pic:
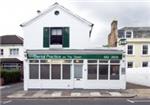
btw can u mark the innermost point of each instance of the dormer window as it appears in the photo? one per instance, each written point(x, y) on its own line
point(128, 34)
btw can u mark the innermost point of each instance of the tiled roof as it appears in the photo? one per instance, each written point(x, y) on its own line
point(10, 39)
point(138, 32)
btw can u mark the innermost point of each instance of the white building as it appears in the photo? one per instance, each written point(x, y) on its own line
point(57, 55)
point(11, 52)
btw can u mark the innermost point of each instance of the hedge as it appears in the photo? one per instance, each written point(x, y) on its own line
point(10, 76)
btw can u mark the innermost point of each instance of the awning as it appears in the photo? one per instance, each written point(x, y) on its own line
point(75, 54)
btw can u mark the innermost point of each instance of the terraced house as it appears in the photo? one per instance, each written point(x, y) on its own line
point(138, 44)
point(59, 54)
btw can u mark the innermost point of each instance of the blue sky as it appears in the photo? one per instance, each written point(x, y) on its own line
point(99, 12)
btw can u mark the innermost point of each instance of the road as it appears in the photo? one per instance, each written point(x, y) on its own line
point(81, 101)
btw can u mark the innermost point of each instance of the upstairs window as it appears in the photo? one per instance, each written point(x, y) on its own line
point(56, 36)
point(145, 49)
point(1, 52)
point(14, 51)
point(128, 34)
point(130, 49)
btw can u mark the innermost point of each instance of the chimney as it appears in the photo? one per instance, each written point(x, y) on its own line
point(114, 25)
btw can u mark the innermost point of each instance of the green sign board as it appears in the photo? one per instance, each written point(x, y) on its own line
point(74, 56)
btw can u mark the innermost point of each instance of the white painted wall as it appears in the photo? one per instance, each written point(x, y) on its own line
point(139, 76)
point(79, 31)
point(6, 50)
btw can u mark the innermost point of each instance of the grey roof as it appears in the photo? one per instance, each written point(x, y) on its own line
point(75, 51)
point(10, 60)
point(11, 39)
point(138, 32)
point(50, 9)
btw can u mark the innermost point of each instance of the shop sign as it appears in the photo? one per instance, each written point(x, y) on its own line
point(74, 56)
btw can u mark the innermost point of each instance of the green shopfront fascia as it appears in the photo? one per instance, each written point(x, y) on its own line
point(69, 71)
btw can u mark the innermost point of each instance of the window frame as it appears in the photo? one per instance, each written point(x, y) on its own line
point(147, 49)
point(128, 49)
point(130, 62)
point(126, 31)
point(12, 50)
point(50, 35)
point(1, 52)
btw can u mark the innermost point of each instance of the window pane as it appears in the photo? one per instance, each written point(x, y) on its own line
point(130, 64)
point(56, 70)
point(103, 71)
point(145, 64)
point(114, 61)
point(78, 61)
point(44, 61)
point(56, 39)
point(66, 71)
point(34, 61)
point(145, 49)
point(59, 31)
point(34, 71)
point(103, 61)
point(114, 72)
point(78, 71)
point(54, 32)
point(44, 71)
point(92, 61)
point(92, 71)
point(130, 49)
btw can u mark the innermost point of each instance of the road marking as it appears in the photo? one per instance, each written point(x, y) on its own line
point(6, 102)
point(130, 101)
point(136, 101)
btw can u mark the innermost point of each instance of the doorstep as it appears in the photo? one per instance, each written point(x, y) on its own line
point(32, 94)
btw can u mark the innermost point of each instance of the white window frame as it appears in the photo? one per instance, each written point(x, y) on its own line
point(125, 33)
point(14, 54)
point(1, 52)
point(127, 64)
point(142, 50)
point(127, 49)
point(147, 62)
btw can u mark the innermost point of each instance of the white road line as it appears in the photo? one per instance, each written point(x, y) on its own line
point(130, 101)
point(136, 101)
point(6, 102)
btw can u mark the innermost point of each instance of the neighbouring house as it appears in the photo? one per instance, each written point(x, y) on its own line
point(58, 56)
point(11, 52)
point(137, 47)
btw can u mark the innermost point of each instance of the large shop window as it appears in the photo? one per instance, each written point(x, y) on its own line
point(92, 71)
point(66, 71)
point(34, 71)
point(114, 72)
point(103, 71)
point(44, 71)
point(56, 71)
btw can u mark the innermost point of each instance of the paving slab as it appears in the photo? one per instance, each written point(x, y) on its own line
point(75, 94)
point(95, 94)
point(115, 93)
point(56, 94)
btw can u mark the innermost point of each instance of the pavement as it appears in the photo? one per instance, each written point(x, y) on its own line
point(16, 92)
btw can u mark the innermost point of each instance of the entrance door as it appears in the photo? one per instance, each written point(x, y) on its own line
point(78, 75)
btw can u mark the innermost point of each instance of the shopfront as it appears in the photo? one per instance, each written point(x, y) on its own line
point(70, 71)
